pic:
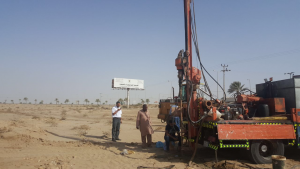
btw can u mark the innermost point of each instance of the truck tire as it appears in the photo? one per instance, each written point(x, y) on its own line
point(261, 150)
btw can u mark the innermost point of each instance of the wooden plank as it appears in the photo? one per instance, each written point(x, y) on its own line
point(255, 132)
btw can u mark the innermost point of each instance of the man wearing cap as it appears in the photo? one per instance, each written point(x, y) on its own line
point(170, 134)
point(117, 120)
point(143, 123)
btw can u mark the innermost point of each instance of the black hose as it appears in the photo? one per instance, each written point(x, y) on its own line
point(189, 116)
point(195, 39)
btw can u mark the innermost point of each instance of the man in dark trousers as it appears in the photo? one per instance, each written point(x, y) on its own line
point(117, 120)
point(170, 134)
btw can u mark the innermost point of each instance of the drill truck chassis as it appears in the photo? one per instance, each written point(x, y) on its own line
point(265, 130)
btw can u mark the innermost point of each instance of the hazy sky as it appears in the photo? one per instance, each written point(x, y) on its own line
point(72, 49)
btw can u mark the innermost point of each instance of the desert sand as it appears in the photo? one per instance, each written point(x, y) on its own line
point(79, 136)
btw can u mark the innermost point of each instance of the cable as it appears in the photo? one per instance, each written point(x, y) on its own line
point(257, 58)
point(193, 156)
point(207, 94)
point(189, 116)
point(195, 39)
point(188, 82)
point(250, 91)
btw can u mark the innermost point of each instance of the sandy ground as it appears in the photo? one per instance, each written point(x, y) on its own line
point(79, 136)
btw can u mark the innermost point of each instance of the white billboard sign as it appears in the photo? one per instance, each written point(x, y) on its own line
point(128, 83)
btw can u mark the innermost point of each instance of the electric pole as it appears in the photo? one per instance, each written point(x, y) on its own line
point(291, 73)
point(224, 70)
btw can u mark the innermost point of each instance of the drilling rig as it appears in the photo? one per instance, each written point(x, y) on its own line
point(260, 122)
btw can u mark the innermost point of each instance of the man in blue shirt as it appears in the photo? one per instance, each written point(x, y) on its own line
point(170, 134)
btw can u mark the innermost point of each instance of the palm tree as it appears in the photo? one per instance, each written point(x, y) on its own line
point(98, 101)
point(12, 101)
point(147, 101)
point(142, 101)
point(25, 99)
point(77, 101)
point(67, 101)
point(236, 87)
point(35, 101)
point(86, 101)
point(56, 100)
point(106, 101)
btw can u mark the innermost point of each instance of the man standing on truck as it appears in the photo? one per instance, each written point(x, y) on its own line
point(117, 120)
point(143, 123)
point(170, 134)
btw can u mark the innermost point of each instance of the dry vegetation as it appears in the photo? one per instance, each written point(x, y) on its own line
point(82, 130)
point(109, 122)
point(107, 134)
point(52, 121)
point(63, 115)
point(130, 119)
point(17, 123)
point(36, 117)
point(9, 110)
point(78, 110)
point(5, 129)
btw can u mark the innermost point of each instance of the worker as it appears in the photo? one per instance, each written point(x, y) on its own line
point(117, 120)
point(170, 134)
point(143, 123)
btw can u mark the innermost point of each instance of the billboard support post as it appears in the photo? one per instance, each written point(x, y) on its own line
point(128, 98)
point(127, 84)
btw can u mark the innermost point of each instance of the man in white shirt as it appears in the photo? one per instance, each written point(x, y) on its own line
point(117, 120)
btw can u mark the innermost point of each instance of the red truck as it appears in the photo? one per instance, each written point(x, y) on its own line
point(262, 123)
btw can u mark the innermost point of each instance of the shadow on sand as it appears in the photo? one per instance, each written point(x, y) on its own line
point(205, 157)
point(158, 153)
